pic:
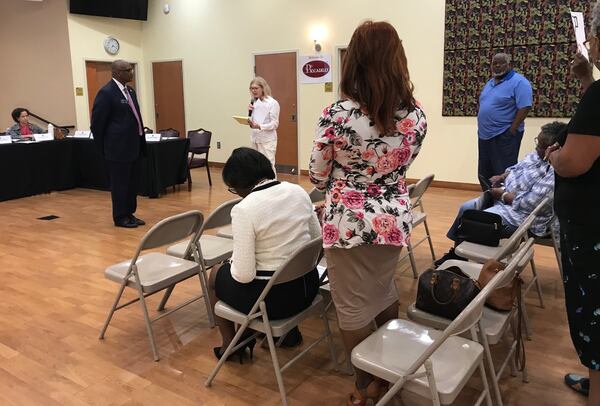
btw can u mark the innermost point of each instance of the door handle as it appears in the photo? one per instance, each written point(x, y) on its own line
point(293, 118)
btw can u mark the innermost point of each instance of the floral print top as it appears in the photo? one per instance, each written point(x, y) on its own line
point(363, 175)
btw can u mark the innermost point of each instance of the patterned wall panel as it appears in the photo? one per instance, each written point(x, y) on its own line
point(537, 34)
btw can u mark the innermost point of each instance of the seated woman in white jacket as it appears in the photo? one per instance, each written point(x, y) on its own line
point(269, 224)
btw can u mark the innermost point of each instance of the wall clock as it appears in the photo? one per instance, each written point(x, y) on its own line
point(111, 45)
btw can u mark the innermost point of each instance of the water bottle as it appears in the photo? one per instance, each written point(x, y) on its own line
point(51, 130)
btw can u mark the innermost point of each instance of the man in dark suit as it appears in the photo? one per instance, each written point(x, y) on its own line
point(118, 132)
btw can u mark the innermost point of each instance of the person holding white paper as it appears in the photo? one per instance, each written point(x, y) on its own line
point(264, 119)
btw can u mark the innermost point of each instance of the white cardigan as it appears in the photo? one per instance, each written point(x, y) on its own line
point(266, 114)
point(268, 226)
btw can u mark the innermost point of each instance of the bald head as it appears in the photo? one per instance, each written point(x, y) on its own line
point(501, 64)
point(122, 71)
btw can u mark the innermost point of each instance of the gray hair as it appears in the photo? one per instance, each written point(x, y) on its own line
point(595, 29)
point(506, 57)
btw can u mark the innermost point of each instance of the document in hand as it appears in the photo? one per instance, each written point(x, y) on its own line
point(241, 119)
point(579, 27)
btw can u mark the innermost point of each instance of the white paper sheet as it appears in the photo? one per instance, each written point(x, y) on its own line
point(579, 27)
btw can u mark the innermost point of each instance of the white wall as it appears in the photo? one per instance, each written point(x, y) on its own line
point(216, 40)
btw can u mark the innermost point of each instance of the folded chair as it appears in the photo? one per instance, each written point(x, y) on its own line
point(494, 324)
point(152, 272)
point(416, 192)
point(212, 249)
point(301, 262)
point(481, 253)
point(435, 364)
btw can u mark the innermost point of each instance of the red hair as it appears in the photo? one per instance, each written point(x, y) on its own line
point(375, 74)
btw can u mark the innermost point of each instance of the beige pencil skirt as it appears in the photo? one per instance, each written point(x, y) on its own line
point(362, 282)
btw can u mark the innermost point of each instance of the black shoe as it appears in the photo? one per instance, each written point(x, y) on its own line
point(580, 384)
point(137, 221)
point(292, 339)
point(240, 353)
point(126, 223)
point(448, 256)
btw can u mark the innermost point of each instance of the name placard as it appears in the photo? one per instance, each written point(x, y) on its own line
point(5, 139)
point(43, 137)
point(153, 137)
point(82, 134)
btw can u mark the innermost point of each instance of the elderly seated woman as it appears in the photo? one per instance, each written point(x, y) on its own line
point(269, 224)
point(22, 127)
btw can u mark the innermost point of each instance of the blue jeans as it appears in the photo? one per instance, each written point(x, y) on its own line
point(498, 153)
point(474, 204)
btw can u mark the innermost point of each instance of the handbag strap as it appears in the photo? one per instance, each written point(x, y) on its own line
point(455, 286)
point(520, 358)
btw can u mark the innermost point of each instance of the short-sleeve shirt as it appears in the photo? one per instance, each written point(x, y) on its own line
point(499, 103)
point(578, 199)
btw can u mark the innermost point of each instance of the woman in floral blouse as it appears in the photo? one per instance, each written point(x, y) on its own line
point(363, 148)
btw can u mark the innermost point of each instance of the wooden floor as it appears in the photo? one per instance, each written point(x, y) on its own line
point(55, 298)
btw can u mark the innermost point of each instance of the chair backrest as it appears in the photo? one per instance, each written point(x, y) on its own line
point(316, 195)
point(171, 230)
point(417, 191)
point(221, 216)
point(169, 132)
point(199, 140)
point(472, 313)
point(520, 233)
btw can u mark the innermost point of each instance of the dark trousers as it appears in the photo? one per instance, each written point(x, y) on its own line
point(498, 153)
point(123, 178)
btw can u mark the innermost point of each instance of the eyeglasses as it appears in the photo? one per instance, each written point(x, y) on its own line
point(232, 190)
point(126, 70)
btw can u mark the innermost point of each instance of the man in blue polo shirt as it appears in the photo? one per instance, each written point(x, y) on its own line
point(504, 103)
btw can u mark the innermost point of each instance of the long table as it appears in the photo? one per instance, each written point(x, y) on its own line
point(43, 167)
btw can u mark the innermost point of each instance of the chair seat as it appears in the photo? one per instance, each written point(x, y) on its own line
point(478, 252)
point(225, 232)
point(214, 249)
point(418, 217)
point(394, 347)
point(197, 163)
point(156, 270)
point(278, 327)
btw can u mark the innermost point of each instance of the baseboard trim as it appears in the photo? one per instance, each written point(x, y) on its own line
point(436, 183)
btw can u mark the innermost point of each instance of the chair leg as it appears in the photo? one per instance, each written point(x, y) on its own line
point(189, 180)
point(487, 354)
point(226, 354)
point(556, 246)
point(163, 301)
point(208, 173)
point(538, 286)
point(429, 239)
point(413, 263)
point(112, 311)
point(273, 351)
point(435, 397)
point(209, 309)
point(486, 387)
point(148, 325)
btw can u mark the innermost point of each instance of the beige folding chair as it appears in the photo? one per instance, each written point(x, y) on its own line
point(416, 192)
point(227, 230)
point(152, 272)
point(212, 249)
point(494, 324)
point(553, 240)
point(301, 262)
point(481, 253)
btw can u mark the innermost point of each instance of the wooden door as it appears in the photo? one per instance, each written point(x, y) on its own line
point(168, 96)
point(98, 74)
point(279, 70)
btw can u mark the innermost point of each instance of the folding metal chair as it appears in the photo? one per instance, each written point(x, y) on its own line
point(553, 241)
point(152, 272)
point(416, 192)
point(303, 261)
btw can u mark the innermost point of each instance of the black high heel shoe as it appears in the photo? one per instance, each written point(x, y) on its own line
point(240, 353)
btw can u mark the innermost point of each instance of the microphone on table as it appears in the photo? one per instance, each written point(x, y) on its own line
point(252, 100)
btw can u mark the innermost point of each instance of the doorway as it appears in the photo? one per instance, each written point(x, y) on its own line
point(168, 96)
point(98, 74)
point(279, 70)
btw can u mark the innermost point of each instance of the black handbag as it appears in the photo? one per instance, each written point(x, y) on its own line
point(445, 292)
point(480, 227)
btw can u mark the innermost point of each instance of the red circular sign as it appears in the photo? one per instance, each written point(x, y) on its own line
point(316, 69)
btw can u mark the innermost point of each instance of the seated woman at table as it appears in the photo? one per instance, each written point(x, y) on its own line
point(23, 128)
point(269, 224)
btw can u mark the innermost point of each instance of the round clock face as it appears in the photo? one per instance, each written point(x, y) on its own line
point(111, 45)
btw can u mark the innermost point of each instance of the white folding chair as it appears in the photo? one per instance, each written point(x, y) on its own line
point(212, 249)
point(435, 364)
point(301, 262)
point(494, 324)
point(152, 272)
point(481, 253)
point(416, 192)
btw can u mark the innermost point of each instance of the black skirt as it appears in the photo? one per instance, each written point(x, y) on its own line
point(284, 300)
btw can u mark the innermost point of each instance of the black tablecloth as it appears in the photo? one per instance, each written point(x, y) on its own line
point(30, 169)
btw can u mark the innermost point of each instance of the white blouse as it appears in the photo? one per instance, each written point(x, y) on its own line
point(266, 115)
point(268, 226)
